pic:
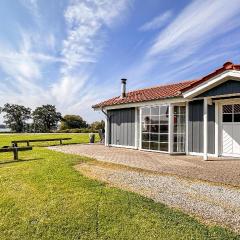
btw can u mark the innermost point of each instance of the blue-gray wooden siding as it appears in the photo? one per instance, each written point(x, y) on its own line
point(195, 127)
point(229, 87)
point(122, 127)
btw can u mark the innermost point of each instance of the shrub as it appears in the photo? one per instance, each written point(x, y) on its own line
point(77, 130)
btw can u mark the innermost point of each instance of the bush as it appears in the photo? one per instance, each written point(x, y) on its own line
point(77, 130)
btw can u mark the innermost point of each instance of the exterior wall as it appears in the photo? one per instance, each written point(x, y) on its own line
point(211, 129)
point(122, 127)
point(229, 87)
point(195, 127)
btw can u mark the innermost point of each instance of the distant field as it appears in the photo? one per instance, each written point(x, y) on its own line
point(42, 196)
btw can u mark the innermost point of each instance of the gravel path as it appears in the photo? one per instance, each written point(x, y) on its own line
point(212, 203)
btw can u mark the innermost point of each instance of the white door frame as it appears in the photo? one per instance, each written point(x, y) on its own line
point(218, 125)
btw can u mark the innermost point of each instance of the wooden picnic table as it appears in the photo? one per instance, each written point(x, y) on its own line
point(28, 141)
point(15, 150)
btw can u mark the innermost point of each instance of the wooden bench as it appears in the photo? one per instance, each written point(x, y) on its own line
point(15, 142)
point(15, 150)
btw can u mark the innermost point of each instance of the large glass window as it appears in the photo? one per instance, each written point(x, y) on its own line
point(155, 128)
point(179, 129)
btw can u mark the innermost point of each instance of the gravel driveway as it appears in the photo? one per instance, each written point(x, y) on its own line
point(212, 203)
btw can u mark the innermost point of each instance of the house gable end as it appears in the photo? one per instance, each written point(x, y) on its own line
point(211, 83)
point(228, 87)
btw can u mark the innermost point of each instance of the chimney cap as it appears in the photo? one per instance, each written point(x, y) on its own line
point(124, 80)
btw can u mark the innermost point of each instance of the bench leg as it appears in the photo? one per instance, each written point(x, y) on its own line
point(15, 153)
point(61, 142)
point(28, 143)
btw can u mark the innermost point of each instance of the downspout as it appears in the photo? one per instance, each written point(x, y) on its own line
point(104, 113)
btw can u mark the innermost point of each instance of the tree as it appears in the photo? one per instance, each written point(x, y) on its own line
point(16, 116)
point(45, 118)
point(72, 121)
point(98, 125)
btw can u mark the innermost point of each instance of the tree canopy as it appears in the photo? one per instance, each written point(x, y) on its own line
point(98, 125)
point(16, 116)
point(46, 118)
point(73, 121)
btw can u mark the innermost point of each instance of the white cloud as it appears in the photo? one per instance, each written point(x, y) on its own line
point(198, 23)
point(23, 62)
point(87, 23)
point(24, 65)
point(23, 68)
point(201, 24)
point(157, 22)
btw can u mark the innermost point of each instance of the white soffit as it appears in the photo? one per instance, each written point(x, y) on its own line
point(212, 82)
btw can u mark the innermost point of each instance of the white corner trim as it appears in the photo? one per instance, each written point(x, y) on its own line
point(170, 132)
point(136, 128)
point(205, 128)
point(217, 129)
point(187, 123)
point(140, 128)
point(212, 82)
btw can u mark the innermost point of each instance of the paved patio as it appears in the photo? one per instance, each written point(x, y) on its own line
point(225, 171)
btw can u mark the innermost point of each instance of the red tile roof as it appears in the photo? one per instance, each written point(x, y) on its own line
point(148, 94)
point(163, 91)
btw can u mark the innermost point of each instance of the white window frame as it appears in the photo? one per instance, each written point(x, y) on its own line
point(140, 122)
point(186, 123)
point(170, 127)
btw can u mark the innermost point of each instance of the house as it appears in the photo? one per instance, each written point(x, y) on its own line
point(198, 117)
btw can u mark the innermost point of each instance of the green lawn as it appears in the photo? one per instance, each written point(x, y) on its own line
point(43, 197)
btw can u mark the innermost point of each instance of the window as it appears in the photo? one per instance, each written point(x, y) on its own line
point(155, 128)
point(179, 129)
point(231, 113)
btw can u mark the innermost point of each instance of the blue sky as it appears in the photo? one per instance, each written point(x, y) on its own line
point(72, 53)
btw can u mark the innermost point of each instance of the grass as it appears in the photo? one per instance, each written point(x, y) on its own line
point(43, 197)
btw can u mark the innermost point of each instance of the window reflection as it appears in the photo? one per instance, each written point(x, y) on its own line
point(155, 128)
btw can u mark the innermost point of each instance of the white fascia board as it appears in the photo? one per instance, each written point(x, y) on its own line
point(147, 103)
point(212, 82)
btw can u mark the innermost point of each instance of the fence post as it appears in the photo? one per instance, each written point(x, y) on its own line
point(15, 153)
